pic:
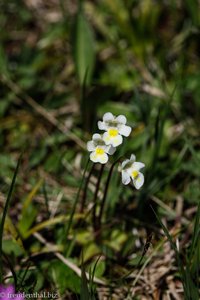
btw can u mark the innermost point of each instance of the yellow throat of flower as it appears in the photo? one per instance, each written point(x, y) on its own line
point(99, 151)
point(135, 174)
point(113, 132)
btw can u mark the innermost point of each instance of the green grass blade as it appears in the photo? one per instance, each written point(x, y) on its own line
point(173, 245)
point(190, 290)
point(196, 232)
point(91, 281)
point(94, 268)
point(85, 293)
point(4, 215)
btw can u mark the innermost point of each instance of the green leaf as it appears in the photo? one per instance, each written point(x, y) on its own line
point(10, 227)
point(90, 251)
point(29, 212)
point(84, 52)
point(7, 163)
point(118, 238)
point(98, 268)
point(27, 220)
point(12, 247)
point(84, 237)
point(64, 277)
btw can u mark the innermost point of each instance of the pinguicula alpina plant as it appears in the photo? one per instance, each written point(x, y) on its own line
point(130, 169)
point(101, 147)
point(99, 150)
point(115, 128)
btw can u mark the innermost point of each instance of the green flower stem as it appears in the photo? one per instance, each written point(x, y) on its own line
point(105, 193)
point(94, 217)
point(68, 225)
point(84, 197)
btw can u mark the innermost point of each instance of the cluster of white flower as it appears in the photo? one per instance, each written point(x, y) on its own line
point(103, 144)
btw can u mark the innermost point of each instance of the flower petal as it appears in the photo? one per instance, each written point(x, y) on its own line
point(133, 157)
point(117, 140)
point(93, 157)
point(90, 146)
point(121, 119)
point(110, 150)
point(106, 138)
point(124, 163)
point(102, 125)
point(125, 178)
point(139, 181)
point(103, 158)
point(108, 117)
point(96, 136)
point(125, 130)
point(138, 165)
point(114, 141)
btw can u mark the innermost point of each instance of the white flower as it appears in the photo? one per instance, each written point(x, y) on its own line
point(115, 127)
point(99, 150)
point(131, 170)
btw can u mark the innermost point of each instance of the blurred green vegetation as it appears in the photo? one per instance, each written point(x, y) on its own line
point(63, 64)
